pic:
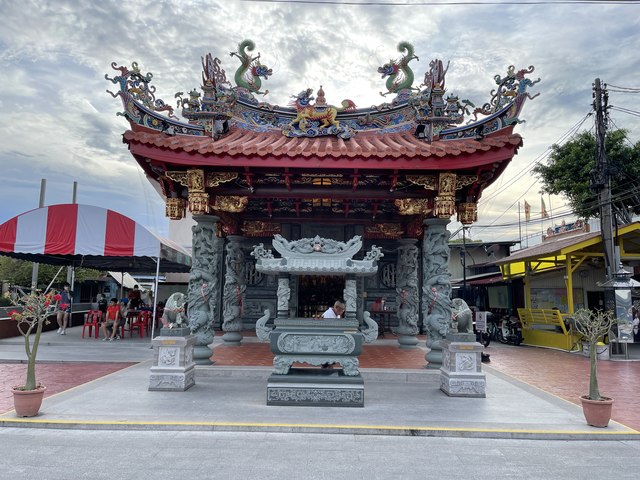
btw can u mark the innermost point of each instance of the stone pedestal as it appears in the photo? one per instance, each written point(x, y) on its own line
point(173, 366)
point(317, 388)
point(407, 342)
point(232, 338)
point(461, 372)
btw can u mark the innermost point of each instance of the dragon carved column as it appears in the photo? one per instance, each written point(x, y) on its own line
point(204, 285)
point(235, 285)
point(436, 287)
point(407, 297)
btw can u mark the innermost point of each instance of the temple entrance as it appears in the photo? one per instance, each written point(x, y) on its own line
point(317, 293)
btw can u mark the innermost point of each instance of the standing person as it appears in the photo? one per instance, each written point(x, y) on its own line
point(636, 327)
point(147, 298)
point(102, 304)
point(64, 308)
point(112, 321)
point(335, 311)
point(135, 298)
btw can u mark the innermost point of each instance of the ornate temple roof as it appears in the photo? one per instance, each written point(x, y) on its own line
point(257, 165)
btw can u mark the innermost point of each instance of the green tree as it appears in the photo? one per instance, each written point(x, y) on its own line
point(569, 172)
point(18, 272)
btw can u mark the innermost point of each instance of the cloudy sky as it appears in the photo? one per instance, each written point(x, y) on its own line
point(59, 123)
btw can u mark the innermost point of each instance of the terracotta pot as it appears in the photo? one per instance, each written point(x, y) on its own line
point(597, 412)
point(27, 402)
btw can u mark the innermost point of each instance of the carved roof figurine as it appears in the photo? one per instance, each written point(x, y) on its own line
point(249, 73)
point(400, 75)
point(316, 246)
point(317, 119)
point(320, 101)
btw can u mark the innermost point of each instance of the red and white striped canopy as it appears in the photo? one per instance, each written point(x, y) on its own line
point(72, 233)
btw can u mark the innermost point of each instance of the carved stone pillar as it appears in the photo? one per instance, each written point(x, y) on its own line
point(350, 297)
point(284, 295)
point(436, 287)
point(407, 297)
point(204, 285)
point(235, 285)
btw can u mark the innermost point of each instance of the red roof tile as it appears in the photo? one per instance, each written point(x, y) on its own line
point(367, 145)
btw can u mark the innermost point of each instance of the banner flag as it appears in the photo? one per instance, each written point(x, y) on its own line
point(543, 209)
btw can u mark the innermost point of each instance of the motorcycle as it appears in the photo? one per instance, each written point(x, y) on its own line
point(484, 338)
point(510, 331)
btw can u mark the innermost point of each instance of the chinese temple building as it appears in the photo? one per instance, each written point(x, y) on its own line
point(393, 174)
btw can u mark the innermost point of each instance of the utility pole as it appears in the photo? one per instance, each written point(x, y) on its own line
point(464, 264)
point(36, 267)
point(71, 268)
point(601, 182)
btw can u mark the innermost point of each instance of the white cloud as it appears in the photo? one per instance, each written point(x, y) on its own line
point(59, 122)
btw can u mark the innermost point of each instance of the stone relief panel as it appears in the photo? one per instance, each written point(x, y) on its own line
point(292, 343)
point(465, 362)
point(168, 356)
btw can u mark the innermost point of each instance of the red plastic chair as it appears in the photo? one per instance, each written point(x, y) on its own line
point(138, 321)
point(92, 320)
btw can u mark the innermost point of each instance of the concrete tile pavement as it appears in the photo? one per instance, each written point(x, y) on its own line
point(567, 376)
point(56, 376)
point(398, 400)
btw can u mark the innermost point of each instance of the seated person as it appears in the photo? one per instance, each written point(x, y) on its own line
point(113, 320)
point(124, 307)
point(335, 311)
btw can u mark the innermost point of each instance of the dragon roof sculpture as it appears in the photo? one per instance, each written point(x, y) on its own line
point(424, 110)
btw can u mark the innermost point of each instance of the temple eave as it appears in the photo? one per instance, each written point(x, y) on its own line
point(490, 150)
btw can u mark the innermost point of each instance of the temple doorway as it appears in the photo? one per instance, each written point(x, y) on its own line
point(317, 293)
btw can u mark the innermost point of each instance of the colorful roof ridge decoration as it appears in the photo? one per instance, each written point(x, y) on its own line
point(422, 111)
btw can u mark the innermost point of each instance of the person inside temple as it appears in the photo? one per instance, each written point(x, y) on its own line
point(334, 312)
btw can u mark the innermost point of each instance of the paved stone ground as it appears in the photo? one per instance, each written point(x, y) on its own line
point(562, 374)
point(567, 376)
point(58, 377)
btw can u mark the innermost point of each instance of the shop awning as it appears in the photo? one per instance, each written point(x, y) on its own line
point(91, 237)
point(555, 254)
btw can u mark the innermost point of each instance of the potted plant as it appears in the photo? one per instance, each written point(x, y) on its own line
point(593, 326)
point(36, 308)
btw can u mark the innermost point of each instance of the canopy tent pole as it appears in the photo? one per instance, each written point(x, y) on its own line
point(155, 297)
point(54, 279)
point(121, 283)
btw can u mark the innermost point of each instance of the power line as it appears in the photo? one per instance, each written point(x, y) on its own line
point(565, 136)
point(622, 89)
point(568, 134)
point(635, 113)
